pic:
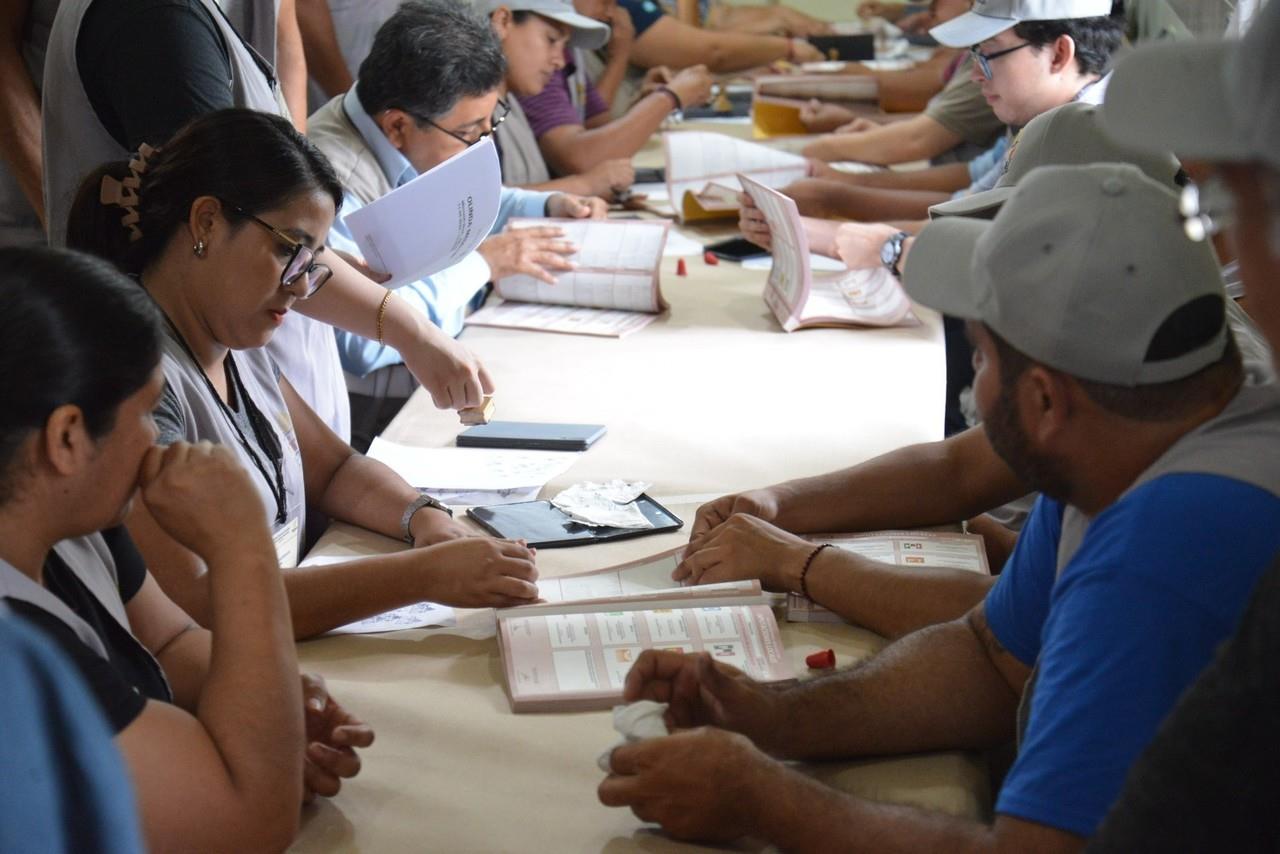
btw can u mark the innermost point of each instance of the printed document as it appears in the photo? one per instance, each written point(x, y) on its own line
point(433, 221)
point(703, 168)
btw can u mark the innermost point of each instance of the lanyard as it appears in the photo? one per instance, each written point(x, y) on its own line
point(262, 432)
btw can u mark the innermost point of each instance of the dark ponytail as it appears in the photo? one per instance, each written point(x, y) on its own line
point(256, 161)
point(72, 331)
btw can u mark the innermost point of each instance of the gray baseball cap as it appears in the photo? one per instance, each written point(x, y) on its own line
point(1070, 135)
point(989, 18)
point(1207, 100)
point(588, 33)
point(1080, 270)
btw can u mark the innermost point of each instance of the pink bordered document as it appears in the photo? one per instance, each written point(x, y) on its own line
point(801, 298)
point(573, 652)
point(923, 549)
point(613, 290)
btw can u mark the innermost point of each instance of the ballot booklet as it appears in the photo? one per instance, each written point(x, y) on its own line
point(573, 652)
point(801, 298)
point(433, 221)
point(703, 168)
point(922, 549)
point(613, 290)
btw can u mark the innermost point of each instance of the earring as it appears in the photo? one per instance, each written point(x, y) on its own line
point(198, 249)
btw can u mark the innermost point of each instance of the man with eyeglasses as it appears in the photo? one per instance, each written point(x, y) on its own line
point(427, 91)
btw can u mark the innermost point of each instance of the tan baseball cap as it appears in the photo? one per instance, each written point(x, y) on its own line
point(1205, 100)
point(1070, 135)
point(989, 18)
point(1080, 270)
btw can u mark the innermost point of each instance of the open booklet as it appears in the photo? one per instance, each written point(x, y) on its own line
point(612, 292)
point(801, 298)
point(904, 548)
point(574, 651)
point(433, 221)
point(702, 172)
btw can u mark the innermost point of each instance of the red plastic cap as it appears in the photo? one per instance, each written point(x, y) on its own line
point(821, 660)
point(710, 258)
point(681, 269)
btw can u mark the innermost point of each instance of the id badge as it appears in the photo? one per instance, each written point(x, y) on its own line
point(286, 540)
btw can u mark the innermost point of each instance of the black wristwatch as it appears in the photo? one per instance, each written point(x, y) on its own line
point(891, 252)
point(423, 500)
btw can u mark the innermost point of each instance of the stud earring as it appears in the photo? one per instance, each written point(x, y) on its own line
point(198, 249)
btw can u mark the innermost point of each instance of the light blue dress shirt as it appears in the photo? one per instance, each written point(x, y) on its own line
point(445, 297)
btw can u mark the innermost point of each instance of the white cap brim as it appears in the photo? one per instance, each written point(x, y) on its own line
point(970, 29)
point(1195, 121)
point(588, 33)
point(938, 270)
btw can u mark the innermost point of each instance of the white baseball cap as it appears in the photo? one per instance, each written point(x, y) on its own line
point(989, 18)
point(1207, 100)
point(1082, 270)
point(587, 33)
point(1069, 135)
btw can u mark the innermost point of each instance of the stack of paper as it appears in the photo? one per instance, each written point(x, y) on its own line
point(703, 169)
point(433, 221)
point(612, 291)
point(480, 475)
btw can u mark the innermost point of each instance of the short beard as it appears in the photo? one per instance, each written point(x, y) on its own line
point(1004, 431)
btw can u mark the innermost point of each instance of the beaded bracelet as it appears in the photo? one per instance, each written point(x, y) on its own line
point(804, 588)
point(670, 93)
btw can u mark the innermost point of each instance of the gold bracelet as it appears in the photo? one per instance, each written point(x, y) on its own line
point(382, 312)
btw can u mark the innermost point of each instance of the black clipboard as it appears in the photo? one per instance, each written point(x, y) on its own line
point(853, 48)
point(544, 526)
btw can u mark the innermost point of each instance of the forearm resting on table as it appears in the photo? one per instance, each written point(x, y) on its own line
point(892, 600)
point(573, 149)
point(934, 483)
point(939, 688)
point(919, 138)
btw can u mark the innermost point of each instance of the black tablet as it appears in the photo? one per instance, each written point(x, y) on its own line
point(531, 436)
point(544, 526)
point(736, 249)
point(651, 175)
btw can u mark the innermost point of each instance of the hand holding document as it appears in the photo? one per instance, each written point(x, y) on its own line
point(612, 290)
point(799, 298)
point(702, 172)
point(433, 221)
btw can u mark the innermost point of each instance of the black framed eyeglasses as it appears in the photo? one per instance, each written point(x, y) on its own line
point(302, 263)
point(1206, 208)
point(499, 116)
point(984, 59)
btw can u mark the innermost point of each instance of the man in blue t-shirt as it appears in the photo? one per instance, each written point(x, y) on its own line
point(1108, 380)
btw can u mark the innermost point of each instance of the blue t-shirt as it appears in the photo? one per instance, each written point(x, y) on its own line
point(1160, 579)
point(63, 785)
point(644, 13)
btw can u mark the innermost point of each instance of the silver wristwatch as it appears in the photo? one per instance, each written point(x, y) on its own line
point(423, 500)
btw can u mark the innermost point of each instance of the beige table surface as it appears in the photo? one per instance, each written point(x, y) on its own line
point(710, 398)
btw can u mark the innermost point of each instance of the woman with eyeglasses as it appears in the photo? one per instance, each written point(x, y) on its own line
point(210, 723)
point(224, 227)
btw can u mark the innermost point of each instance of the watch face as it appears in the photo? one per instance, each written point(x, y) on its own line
point(888, 252)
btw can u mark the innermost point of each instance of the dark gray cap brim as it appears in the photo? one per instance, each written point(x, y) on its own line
point(939, 268)
point(1172, 97)
point(984, 205)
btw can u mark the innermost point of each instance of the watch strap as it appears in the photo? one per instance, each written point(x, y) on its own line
point(423, 500)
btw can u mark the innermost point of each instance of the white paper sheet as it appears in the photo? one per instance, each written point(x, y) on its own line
point(484, 497)
point(567, 319)
point(610, 504)
point(471, 468)
point(433, 221)
point(616, 266)
point(695, 159)
point(680, 246)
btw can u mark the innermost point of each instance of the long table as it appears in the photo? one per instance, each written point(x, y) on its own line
point(713, 397)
